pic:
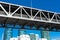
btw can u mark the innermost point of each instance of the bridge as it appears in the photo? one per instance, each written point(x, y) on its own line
point(35, 19)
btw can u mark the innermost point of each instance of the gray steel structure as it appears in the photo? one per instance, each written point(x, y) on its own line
point(35, 19)
point(21, 15)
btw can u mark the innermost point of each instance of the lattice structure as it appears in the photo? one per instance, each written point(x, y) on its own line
point(26, 13)
point(21, 15)
point(27, 18)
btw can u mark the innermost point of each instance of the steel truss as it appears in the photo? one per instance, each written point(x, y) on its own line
point(26, 14)
point(20, 13)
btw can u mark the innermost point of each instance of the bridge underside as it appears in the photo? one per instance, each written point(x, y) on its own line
point(33, 25)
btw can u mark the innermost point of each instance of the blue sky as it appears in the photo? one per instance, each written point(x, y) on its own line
point(50, 5)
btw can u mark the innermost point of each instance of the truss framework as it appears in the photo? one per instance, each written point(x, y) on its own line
point(26, 13)
point(11, 14)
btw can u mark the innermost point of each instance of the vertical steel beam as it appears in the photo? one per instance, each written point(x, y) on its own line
point(7, 33)
point(21, 32)
point(45, 34)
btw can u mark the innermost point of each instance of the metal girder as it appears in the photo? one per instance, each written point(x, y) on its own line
point(48, 17)
point(17, 14)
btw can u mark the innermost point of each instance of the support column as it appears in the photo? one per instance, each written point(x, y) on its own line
point(21, 31)
point(7, 33)
point(45, 34)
